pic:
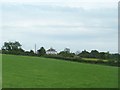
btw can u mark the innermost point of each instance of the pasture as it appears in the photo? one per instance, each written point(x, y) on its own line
point(38, 72)
point(0, 71)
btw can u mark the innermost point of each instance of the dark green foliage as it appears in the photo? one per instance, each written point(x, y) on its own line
point(94, 54)
point(84, 54)
point(76, 59)
point(12, 48)
point(41, 51)
point(66, 54)
point(15, 48)
point(112, 59)
point(79, 59)
point(67, 50)
point(29, 53)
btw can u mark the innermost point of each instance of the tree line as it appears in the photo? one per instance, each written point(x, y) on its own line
point(15, 48)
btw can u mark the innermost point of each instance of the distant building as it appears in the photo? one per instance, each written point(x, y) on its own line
point(51, 51)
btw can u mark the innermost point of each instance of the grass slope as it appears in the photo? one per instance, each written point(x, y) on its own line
point(0, 71)
point(37, 72)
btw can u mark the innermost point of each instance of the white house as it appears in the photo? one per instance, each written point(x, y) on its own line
point(51, 51)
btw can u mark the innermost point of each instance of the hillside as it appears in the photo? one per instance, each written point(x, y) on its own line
point(37, 72)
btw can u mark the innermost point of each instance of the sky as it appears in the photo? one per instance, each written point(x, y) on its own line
point(75, 24)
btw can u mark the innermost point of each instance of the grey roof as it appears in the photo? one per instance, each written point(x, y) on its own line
point(51, 49)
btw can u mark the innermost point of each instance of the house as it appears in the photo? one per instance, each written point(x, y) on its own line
point(51, 51)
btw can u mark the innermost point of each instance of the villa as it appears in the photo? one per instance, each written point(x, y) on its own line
point(51, 51)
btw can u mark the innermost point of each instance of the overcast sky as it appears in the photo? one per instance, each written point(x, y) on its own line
point(76, 24)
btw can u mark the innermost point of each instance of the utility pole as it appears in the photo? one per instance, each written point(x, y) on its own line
point(35, 49)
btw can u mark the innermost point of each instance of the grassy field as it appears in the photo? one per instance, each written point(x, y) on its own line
point(37, 72)
point(0, 71)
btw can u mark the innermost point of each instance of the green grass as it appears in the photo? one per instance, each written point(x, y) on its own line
point(0, 71)
point(37, 72)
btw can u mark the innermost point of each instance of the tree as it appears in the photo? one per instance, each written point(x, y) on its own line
point(41, 51)
point(84, 54)
point(94, 54)
point(66, 54)
point(16, 45)
point(32, 52)
point(6, 46)
point(77, 52)
point(67, 50)
point(11, 46)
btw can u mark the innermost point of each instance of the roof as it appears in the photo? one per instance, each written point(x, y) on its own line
point(51, 49)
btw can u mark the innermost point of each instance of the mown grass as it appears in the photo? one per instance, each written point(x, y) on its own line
point(38, 72)
point(0, 71)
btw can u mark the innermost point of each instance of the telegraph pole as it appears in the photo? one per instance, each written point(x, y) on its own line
point(35, 49)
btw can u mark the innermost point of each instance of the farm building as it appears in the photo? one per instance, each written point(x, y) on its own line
point(51, 51)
